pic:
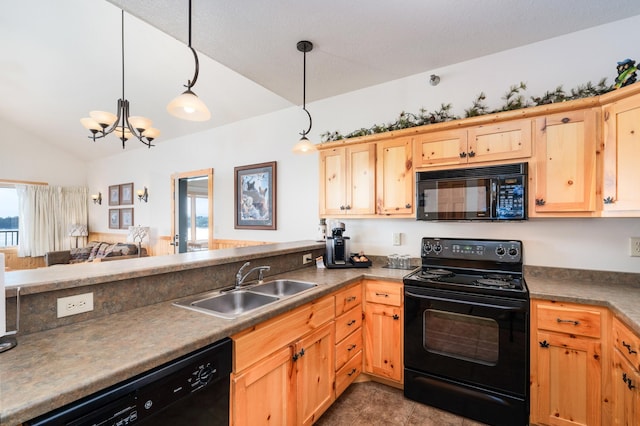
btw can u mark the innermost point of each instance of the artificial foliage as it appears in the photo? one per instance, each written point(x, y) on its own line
point(513, 99)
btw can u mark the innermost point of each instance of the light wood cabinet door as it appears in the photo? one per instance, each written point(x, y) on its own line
point(622, 158)
point(626, 392)
point(315, 371)
point(444, 148)
point(394, 177)
point(565, 164)
point(502, 141)
point(347, 180)
point(569, 380)
point(265, 393)
point(383, 341)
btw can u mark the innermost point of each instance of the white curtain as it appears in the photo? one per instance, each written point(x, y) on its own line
point(45, 214)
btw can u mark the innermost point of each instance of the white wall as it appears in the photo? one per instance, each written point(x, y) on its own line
point(570, 60)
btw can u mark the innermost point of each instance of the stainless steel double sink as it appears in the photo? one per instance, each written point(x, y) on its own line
point(232, 304)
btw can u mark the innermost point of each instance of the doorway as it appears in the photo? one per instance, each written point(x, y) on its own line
point(192, 210)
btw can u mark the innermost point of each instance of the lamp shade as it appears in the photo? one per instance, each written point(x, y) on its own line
point(188, 106)
point(304, 146)
point(78, 230)
point(104, 118)
point(91, 124)
point(140, 123)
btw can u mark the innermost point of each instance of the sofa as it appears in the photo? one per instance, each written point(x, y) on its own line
point(94, 251)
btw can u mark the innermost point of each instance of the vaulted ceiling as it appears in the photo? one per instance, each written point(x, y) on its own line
point(60, 59)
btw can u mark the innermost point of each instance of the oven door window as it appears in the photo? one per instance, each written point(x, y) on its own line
point(461, 336)
point(455, 199)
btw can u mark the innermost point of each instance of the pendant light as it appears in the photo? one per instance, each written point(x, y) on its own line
point(304, 145)
point(187, 105)
point(102, 123)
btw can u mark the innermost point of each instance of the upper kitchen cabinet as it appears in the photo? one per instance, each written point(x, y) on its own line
point(563, 173)
point(622, 157)
point(394, 177)
point(492, 142)
point(347, 180)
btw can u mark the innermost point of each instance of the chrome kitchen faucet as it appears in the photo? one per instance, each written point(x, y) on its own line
point(240, 278)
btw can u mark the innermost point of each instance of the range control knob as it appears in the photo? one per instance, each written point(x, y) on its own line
point(426, 248)
point(500, 251)
point(513, 251)
point(437, 248)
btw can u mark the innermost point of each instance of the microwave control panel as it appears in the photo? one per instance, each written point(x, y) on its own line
point(511, 200)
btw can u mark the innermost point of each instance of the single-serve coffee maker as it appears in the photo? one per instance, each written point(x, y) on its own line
point(337, 247)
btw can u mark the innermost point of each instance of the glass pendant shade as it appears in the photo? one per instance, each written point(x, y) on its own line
point(119, 133)
point(188, 106)
point(304, 146)
point(105, 118)
point(91, 124)
point(151, 133)
point(140, 123)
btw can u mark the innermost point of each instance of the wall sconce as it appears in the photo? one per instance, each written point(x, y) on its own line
point(434, 80)
point(143, 195)
point(97, 198)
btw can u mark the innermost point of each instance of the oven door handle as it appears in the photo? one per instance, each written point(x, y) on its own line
point(466, 302)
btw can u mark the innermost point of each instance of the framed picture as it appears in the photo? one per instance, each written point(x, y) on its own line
point(114, 195)
point(114, 218)
point(126, 218)
point(126, 193)
point(255, 196)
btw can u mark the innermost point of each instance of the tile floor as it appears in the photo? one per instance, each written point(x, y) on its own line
point(371, 403)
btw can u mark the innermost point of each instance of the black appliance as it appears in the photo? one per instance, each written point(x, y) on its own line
point(192, 390)
point(481, 193)
point(466, 330)
point(337, 254)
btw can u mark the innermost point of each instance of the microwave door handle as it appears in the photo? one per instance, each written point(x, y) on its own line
point(494, 198)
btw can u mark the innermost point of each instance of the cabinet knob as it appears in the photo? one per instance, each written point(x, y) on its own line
point(396, 317)
point(350, 299)
point(540, 202)
point(544, 344)
point(472, 154)
point(407, 206)
point(341, 207)
point(570, 182)
point(463, 154)
point(608, 200)
point(348, 207)
point(565, 120)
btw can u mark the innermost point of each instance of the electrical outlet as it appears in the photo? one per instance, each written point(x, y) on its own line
point(306, 259)
point(396, 238)
point(75, 304)
point(634, 246)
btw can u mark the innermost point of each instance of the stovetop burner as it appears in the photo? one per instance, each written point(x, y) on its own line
point(492, 267)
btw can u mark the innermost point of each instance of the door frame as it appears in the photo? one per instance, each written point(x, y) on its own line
point(195, 173)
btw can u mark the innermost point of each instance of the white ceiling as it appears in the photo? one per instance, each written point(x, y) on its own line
point(60, 59)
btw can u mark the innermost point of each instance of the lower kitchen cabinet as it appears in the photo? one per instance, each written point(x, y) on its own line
point(569, 381)
point(348, 337)
point(626, 375)
point(383, 330)
point(284, 369)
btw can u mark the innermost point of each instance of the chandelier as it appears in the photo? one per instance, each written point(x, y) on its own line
point(102, 123)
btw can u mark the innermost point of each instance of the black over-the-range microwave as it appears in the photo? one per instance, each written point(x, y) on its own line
point(493, 193)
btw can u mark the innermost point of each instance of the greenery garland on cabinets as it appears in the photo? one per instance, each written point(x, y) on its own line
point(514, 98)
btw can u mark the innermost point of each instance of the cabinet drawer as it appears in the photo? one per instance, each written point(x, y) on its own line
point(386, 293)
point(348, 298)
point(627, 342)
point(347, 374)
point(346, 349)
point(348, 322)
point(576, 320)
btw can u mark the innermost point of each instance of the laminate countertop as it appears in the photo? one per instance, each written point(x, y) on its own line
point(52, 368)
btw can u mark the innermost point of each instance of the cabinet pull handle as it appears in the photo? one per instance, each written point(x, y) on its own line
point(382, 294)
point(350, 323)
point(565, 120)
point(407, 206)
point(472, 154)
point(463, 154)
point(352, 347)
point(341, 207)
point(567, 321)
point(628, 346)
point(540, 201)
point(608, 200)
point(348, 207)
point(352, 372)
point(350, 299)
point(628, 381)
point(544, 344)
point(396, 317)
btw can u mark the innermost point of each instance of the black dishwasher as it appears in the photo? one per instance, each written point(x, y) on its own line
point(191, 390)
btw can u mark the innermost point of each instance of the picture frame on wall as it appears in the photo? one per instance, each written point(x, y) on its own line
point(114, 218)
point(126, 218)
point(126, 193)
point(114, 195)
point(255, 196)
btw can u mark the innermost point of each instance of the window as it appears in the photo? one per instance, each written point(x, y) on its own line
point(8, 215)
